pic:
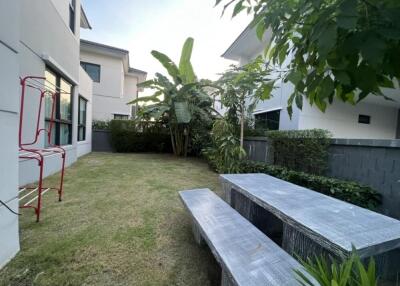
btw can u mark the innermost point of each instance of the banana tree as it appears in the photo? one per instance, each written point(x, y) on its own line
point(178, 99)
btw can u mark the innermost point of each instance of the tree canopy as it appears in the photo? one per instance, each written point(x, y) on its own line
point(345, 49)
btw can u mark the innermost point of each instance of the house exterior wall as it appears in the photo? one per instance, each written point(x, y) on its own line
point(9, 118)
point(340, 119)
point(115, 89)
point(46, 39)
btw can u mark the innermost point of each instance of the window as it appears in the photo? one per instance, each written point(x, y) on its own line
point(72, 15)
point(267, 120)
point(92, 70)
point(82, 105)
point(62, 126)
point(121, 117)
point(364, 119)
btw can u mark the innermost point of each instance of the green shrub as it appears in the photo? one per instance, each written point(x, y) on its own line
point(301, 150)
point(128, 136)
point(351, 192)
point(225, 154)
point(101, 125)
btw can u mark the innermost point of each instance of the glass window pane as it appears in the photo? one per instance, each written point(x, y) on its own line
point(50, 84)
point(53, 134)
point(81, 133)
point(65, 100)
point(82, 111)
point(65, 131)
point(92, 70)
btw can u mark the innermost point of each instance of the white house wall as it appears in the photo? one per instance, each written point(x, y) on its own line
point(115, 89)
point(342, 120)
point(9, 107)
point(47, 39)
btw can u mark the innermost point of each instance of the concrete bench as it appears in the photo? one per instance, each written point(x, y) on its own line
point(245, 254)
point(307, 223)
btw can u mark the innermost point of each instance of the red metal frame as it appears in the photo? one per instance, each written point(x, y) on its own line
point(29, 151)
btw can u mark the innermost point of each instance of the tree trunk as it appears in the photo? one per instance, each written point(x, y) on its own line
point(172, 140)
point(242, 123)
point(186, 141)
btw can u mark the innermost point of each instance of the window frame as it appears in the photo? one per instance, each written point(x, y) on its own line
point(57, 120)
point(82, 125)
point(84, 64)
point(364, 119)
point(72, 15)
point(122, 115)
point(268, 120)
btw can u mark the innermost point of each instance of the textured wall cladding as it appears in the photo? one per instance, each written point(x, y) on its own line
point(378, 167)
point(375, 163)
point(258, 150)
point(101, 141)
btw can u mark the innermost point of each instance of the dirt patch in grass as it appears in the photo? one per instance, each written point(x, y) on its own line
point(121, 223)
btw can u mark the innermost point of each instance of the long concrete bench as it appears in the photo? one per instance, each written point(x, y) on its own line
point(246, 255)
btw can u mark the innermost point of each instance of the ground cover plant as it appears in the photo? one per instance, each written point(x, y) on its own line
point(121, 223)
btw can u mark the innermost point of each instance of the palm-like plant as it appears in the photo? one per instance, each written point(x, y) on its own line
point(177, 100)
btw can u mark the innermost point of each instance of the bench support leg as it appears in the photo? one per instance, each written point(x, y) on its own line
point(225, 280)
point(227, 187)
point(197, 235)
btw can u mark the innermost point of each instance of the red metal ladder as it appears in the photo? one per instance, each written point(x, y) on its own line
point(31, 197)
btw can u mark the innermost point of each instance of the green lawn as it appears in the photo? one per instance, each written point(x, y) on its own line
point(121, 223)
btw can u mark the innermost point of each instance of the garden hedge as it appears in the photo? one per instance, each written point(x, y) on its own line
point(351, 192)
point(126, 137)
point(301, 150)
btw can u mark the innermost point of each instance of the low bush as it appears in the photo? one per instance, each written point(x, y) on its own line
point(101, 125)
point(225, 154)
point(127, 136)
point(351, 192)
point(301, 150)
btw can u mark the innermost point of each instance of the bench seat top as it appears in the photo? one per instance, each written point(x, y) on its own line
point(333, 222)
point(248, 256)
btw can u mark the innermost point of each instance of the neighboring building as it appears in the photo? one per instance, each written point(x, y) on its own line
point(115, 82)
point(39, 38)
point(373, 118)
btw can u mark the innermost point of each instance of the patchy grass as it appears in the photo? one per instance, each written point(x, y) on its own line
point(121, 223)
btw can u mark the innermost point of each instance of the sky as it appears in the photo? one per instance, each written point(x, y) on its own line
point(141, 26)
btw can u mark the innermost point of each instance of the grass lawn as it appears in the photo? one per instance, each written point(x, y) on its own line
point(121, 223)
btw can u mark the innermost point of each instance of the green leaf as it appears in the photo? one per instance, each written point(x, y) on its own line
point(238, 8)
point(185, 66)
point(168, 64)
point(299, 101)
point(327, 88)
point(327, 39)
point(373, 49)
point(347, 15)
point(154, 97)
point(342, 77)
point(260, 30)
point(182, 112)
point(294, 77)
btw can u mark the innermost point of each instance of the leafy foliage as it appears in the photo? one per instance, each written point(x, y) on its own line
point(349, 272)
point(301, 150)
point(351, 192)
point(225, 154)
point(178, 102)
point(241, 88)
point(129, 136)
point(344, 49)
point(101, 125)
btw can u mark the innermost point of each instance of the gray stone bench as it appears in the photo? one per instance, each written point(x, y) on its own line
point(246, 255)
